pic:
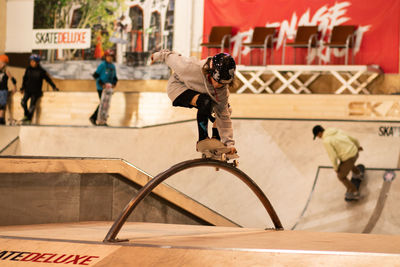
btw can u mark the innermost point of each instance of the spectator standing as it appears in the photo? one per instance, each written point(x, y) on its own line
point(105, 73)
point(5, 74)
point(32, 86)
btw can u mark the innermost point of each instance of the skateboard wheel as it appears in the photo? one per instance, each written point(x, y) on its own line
point(217, 169)
point(223, 157)
point(235, 163)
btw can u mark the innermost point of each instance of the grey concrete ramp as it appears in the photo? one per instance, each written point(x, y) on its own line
point(327, 211)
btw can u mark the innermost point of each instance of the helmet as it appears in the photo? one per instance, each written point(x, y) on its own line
point(35, 57)
point(109, 52)
point(223, 68)
point(4, 59)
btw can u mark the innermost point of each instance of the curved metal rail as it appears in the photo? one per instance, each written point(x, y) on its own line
point(146, 190)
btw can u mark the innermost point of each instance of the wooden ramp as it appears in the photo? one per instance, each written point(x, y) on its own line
point(184, 245)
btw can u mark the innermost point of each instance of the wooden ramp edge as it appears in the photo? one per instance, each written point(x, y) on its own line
point(110, 166)
point(184, 245)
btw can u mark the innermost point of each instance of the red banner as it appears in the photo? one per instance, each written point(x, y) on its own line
point(377, 21)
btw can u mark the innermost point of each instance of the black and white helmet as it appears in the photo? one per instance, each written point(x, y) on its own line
point(223, 68)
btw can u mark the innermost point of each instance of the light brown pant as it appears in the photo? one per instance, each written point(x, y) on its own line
point(344, 168)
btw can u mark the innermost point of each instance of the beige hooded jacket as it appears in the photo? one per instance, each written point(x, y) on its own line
point(340, 146)
point(188, 74)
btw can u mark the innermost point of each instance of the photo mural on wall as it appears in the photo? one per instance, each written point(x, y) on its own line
point(133, 29)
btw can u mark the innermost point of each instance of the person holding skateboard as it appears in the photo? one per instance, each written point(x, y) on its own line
point(32, 86)
point(204, 85)
point(5, 74)
point(343, 152)
point(105, 76)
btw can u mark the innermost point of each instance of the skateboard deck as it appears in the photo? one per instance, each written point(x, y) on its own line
point(357, 181)
point(215, 149)
point(104, 107)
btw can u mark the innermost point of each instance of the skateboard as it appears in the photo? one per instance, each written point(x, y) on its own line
point(104, 107)
point(215, 149)
point(357, 181)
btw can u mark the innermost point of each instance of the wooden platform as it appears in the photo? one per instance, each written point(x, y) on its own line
point(181, 245)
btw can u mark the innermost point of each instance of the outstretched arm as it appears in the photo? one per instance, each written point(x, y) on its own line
point(178, 63)
point(50, 81)
point(224, 124)
point(24, 81)
point(13, 80)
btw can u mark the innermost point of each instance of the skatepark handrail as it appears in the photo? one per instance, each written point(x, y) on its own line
point(146, 190)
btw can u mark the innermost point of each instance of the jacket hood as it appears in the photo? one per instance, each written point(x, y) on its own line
point(330, 131)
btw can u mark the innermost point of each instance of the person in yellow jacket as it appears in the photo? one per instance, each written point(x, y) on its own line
point(343, 152)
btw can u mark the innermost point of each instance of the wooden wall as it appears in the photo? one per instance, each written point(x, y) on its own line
point(3, 25)
point(141, 109)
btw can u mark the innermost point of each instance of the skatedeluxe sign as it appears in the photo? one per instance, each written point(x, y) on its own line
point(61, 39)
point(39, 257)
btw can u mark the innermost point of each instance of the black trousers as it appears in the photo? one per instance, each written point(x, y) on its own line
point(28, 111)
point(94, 115)
point(203, 112)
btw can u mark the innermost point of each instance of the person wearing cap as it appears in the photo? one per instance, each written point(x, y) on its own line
point(5, 74)
point(105, 73)
point(204, 85)
point(32, 86)
point(343, 152)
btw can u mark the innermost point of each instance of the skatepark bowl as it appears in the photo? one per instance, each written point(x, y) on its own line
point(58, 210)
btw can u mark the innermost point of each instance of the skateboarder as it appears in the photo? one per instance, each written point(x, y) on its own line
point(105, 73)
point(32, 86)
point(204, 85)
point(5, 74)
point(343, 152)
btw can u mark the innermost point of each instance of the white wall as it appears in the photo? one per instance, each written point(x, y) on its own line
point(188, 25)
point(197, 24)
point(19, 26)
point(182, 26)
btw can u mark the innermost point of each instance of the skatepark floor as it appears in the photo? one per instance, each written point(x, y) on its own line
point(183, 243)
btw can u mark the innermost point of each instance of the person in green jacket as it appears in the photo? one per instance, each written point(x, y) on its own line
point(343, 152)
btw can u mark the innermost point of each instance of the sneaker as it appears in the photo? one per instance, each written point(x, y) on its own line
point(358, 176)
point(353, 195)
point(26, 121)
point(93, 121)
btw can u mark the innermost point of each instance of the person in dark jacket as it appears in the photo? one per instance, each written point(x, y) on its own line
point(32, 86)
